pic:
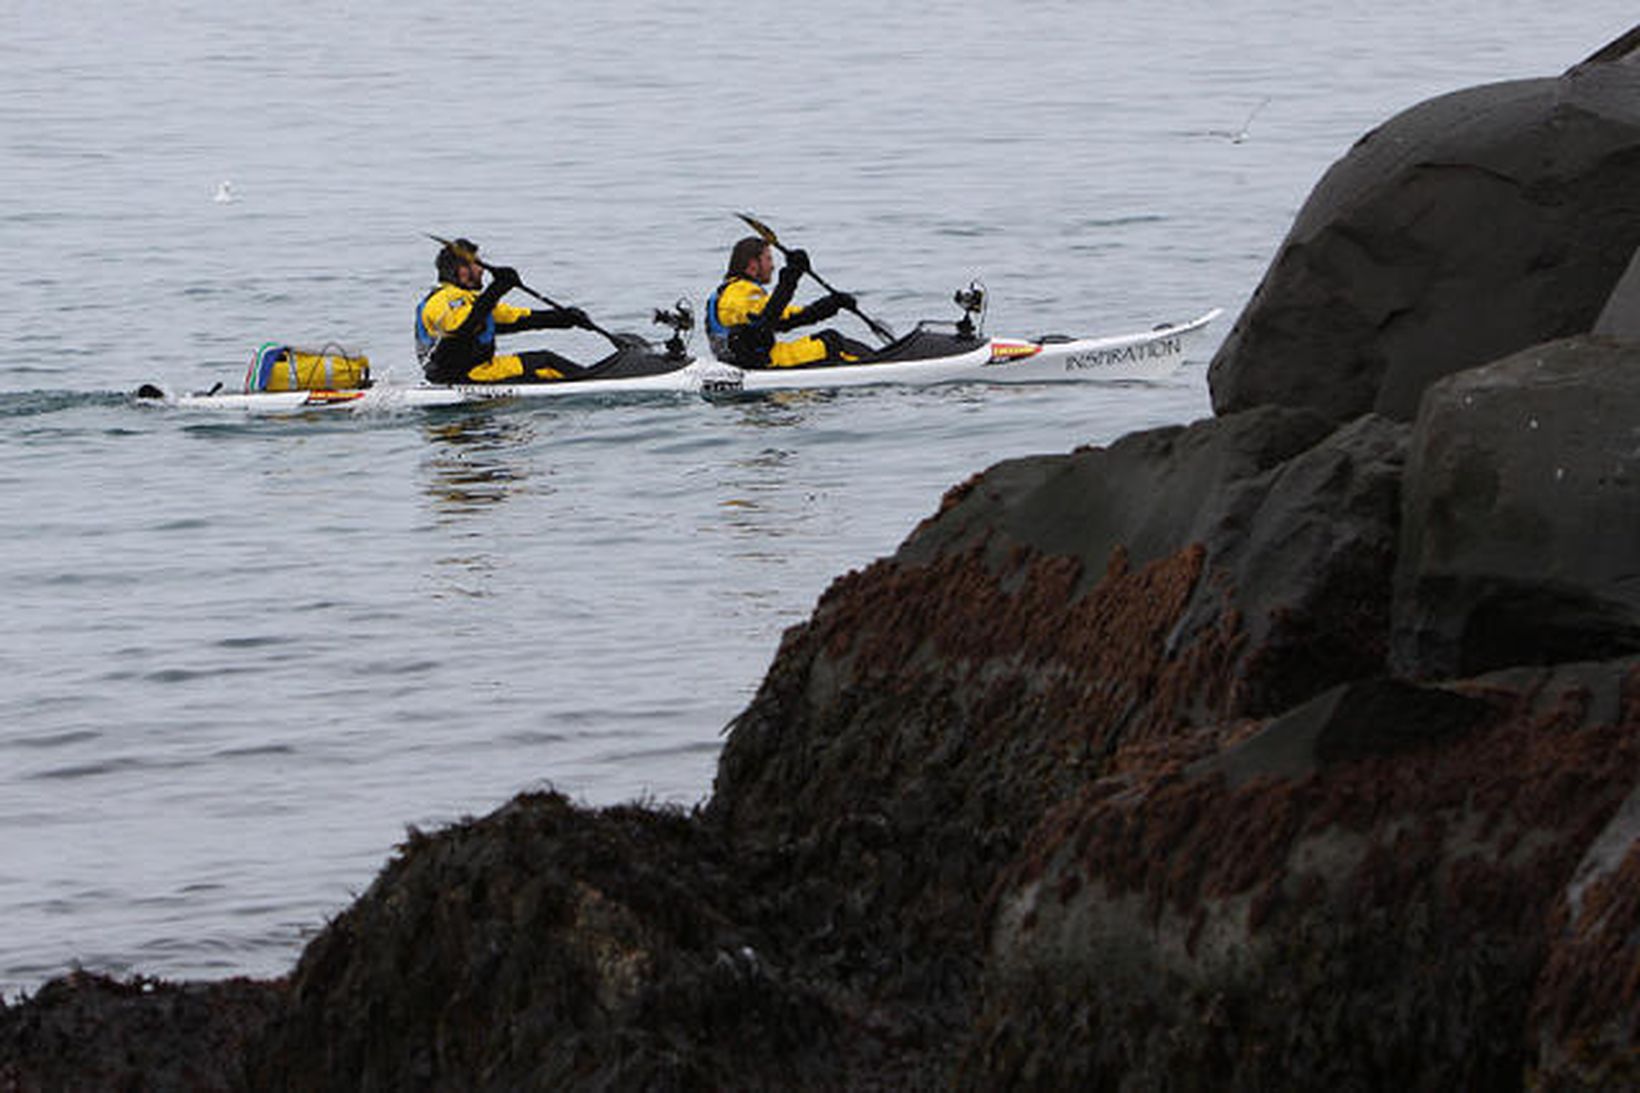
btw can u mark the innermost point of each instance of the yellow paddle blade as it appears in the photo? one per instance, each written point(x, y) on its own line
point(461, 252)
point(762, 229)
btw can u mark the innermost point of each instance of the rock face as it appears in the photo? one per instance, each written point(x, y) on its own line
point(1349, 897)
point(547, 947)
point(1522, 514)
point(1299, 747)
point(1465, 229)
point(1620, 320)
point(89, 1032)
point(1051, 617)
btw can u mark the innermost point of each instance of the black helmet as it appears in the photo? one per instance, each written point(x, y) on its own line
point(453, 255)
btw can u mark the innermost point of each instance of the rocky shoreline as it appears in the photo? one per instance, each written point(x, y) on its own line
point(1299, 746)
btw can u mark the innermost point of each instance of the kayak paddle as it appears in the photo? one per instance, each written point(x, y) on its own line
point(614, 339)
point(769, 237)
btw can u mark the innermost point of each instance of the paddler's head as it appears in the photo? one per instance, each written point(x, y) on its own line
point(752, 259)
point(458, 264)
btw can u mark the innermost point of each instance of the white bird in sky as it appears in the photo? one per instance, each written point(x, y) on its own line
point(1239, 135)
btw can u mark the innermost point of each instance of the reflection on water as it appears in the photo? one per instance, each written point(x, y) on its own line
point(780, 409)
point(765, 473)
point(761, 501)
point(476, 460)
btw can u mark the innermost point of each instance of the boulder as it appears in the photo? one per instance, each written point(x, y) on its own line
point(551, 947)
point(1466, 228)
point(1256, 550)
point(86, 1031)
point(1521, 514)
point(1387, 888)
point(1056, 615)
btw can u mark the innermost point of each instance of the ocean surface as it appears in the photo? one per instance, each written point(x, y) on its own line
point(240, 656)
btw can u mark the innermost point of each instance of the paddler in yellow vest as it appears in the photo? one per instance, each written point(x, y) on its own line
point(456, 325)
point(742, 318)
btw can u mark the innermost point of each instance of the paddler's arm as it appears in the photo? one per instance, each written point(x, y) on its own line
point(817, 312)
point(561, 318)
point(774, 315)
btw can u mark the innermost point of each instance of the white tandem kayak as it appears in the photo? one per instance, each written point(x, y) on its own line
point(924, 356)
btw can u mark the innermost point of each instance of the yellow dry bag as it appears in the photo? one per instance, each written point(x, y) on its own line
point(277, 367)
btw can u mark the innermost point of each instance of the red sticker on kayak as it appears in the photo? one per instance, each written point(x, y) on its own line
point(1004, 352)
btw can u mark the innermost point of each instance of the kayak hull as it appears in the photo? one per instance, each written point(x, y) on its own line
point(1147, 355)
point(921, 358)
point(697, 376)
point(700, 376)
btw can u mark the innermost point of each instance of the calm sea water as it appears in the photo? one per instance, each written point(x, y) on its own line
point(239, 656)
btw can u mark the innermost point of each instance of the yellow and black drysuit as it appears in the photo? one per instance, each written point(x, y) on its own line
point(455, 337)
point(741, 325)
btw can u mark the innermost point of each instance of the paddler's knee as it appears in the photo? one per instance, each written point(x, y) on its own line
point(496, 370)
point(840, 347)
point(796, 352)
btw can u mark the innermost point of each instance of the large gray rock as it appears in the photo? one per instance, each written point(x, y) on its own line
point(1240, 565)
point(1058, 612)
point(1520, 535)
point(1466, 228)
point(1621, 317)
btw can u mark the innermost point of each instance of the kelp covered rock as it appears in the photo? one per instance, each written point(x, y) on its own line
point(550, 947)
point(1365, 891)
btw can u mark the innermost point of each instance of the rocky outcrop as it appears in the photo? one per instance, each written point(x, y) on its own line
point(1463, 230)
point(1365, 891)
point(1106, 778)
point(1056, 612)
point(89, 1032)
point(1297, 747)
point(550, 947)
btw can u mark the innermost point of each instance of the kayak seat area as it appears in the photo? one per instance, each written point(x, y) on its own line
point(924, 345)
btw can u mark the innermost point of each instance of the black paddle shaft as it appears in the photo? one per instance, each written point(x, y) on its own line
point(769, 237)
point(527, 290)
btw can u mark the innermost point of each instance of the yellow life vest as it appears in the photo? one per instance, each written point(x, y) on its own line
point(444, 309)
point(738, 302)
point(441, 313)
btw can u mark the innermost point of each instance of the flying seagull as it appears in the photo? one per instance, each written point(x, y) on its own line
point(1240, 135)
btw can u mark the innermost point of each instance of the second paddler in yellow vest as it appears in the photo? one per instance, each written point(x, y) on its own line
point(743, 318)
point(457, 324)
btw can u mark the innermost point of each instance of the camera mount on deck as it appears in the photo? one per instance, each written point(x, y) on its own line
point(972, 300)
point(681, 320)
